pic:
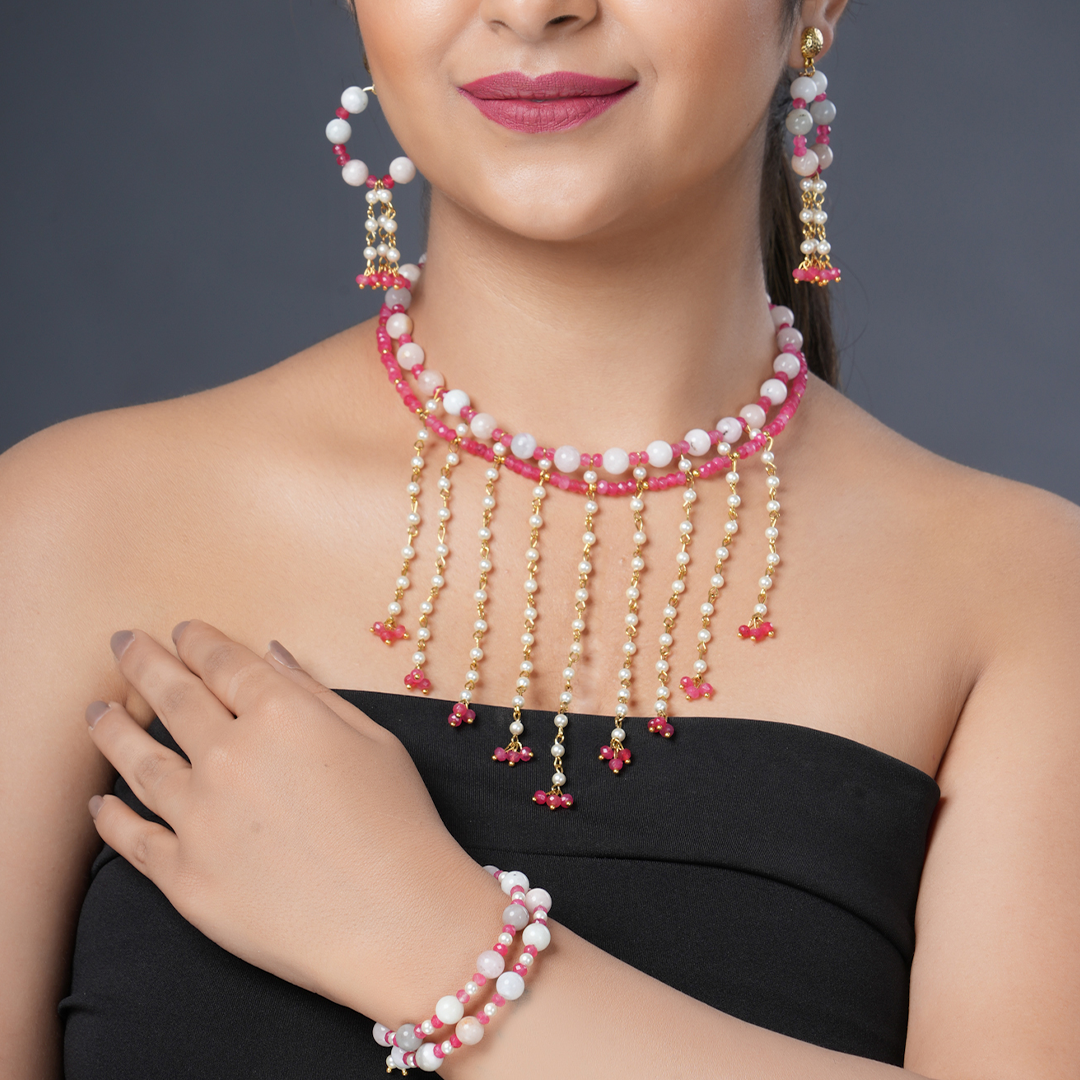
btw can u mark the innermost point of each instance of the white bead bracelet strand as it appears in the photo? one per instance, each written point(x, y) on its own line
point(527, 912)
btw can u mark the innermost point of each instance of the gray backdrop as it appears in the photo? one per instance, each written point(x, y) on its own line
point(171, 217)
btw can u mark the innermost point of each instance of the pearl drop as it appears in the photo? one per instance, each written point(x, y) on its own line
point(660, 453)
point(354, 100)
point(754, 415)
point(354, 172)
point(805, 165)
point(804, 87)
point(699, 441)
point(402, 170)
point(616, 461)
point(510, 984)
point(558, 779)
point(454, 401)
point(774, 390)
point(618, 733)
point(700, 667)
point(339, 131)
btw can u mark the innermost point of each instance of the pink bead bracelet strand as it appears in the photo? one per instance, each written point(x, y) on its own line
point(527, 912)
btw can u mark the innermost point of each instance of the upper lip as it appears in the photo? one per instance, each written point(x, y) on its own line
point(511, 85)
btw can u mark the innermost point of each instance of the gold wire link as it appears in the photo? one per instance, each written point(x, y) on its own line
point(758, 627)
point(532, 562)
point(465, 713)
point(423, 633)
point(660, 723)
point(578, 628)
point(723, 552)
point(377, 234)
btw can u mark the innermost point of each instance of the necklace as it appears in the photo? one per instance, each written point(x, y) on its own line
point(478, 434)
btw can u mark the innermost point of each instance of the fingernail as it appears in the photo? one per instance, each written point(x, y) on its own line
point(95, 805)
point(95, 711)
point(120, 641)
point(178, 629)
point(282, 655)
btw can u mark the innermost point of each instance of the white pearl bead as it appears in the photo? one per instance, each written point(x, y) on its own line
point(618, 733)
point(557, 750)
point(772, 506)
point(427, 1027)
point(804, 87)
point(516, 727)
point(616, 461)
point(666, 640)
point(490, 1009)
point(765, 582)
point(567, 459)
point(760, 609)
point(774, 390)
point(394, 608)
point(505, 939)
point(354, 100)
point(449, 1010)
point(789, 337)
point(806, 164)
point(799, 121)
point(482, 424)
point(430, 380)
point(660, 453)
point(788, 364)
point(699, 441)
point(716, 581)
point(510, 984)
point(558, 779)
point(730, 429)
point(402, 170)
point(339, 131)
point(454, 401)
point(426, 1059)
point(354, 173)
point(700, 667)
point(535, 934)
point(384, 196)
point(522, 446)
point(754, 415)
point(527, 958)
point(560, 720)
point(509, 880)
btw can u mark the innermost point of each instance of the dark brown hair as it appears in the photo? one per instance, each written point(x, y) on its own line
point(781, 234)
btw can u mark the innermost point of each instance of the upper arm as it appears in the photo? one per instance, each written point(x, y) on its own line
point(995, 984)
point(53, 661)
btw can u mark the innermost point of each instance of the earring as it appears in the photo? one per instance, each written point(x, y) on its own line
point(380, 251)
point(810, 110)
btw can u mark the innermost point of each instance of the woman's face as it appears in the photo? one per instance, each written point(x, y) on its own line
point(688, 87)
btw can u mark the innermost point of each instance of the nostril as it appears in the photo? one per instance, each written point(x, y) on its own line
point(561, 19)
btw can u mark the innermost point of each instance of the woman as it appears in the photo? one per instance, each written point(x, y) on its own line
point(596, 285)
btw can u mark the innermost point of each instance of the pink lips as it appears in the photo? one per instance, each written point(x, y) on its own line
point(557, 101)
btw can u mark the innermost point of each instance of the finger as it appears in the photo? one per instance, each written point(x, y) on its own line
point(238, 678)
point(149, 847)
point(157, 776)
point(282, 660)
point(177, 695)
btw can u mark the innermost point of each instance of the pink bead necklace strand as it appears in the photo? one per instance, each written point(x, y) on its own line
point(479, 435)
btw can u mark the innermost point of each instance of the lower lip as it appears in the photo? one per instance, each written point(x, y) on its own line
point(541, 117)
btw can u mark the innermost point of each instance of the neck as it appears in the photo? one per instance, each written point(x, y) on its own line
point(613, 340)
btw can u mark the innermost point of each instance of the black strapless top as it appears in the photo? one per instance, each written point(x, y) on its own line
point(767, 869)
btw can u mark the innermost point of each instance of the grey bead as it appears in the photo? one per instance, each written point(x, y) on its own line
point(823, 112)
point(799, 122)
point(515, 915)
point(406, 1037)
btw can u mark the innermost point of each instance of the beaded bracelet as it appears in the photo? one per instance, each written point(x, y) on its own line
point(527, 912)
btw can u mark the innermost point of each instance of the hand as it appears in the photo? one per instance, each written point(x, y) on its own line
point(303, 839)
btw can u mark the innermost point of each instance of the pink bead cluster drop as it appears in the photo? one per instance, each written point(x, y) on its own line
point(527, 912)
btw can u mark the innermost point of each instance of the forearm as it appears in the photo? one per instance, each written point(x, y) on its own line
point(587, 1014)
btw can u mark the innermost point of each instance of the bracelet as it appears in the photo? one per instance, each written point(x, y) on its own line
point(527, 912)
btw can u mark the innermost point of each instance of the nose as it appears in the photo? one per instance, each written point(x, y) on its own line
point(538, 20)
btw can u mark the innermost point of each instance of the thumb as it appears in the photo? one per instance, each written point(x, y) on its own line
point(283, 661)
